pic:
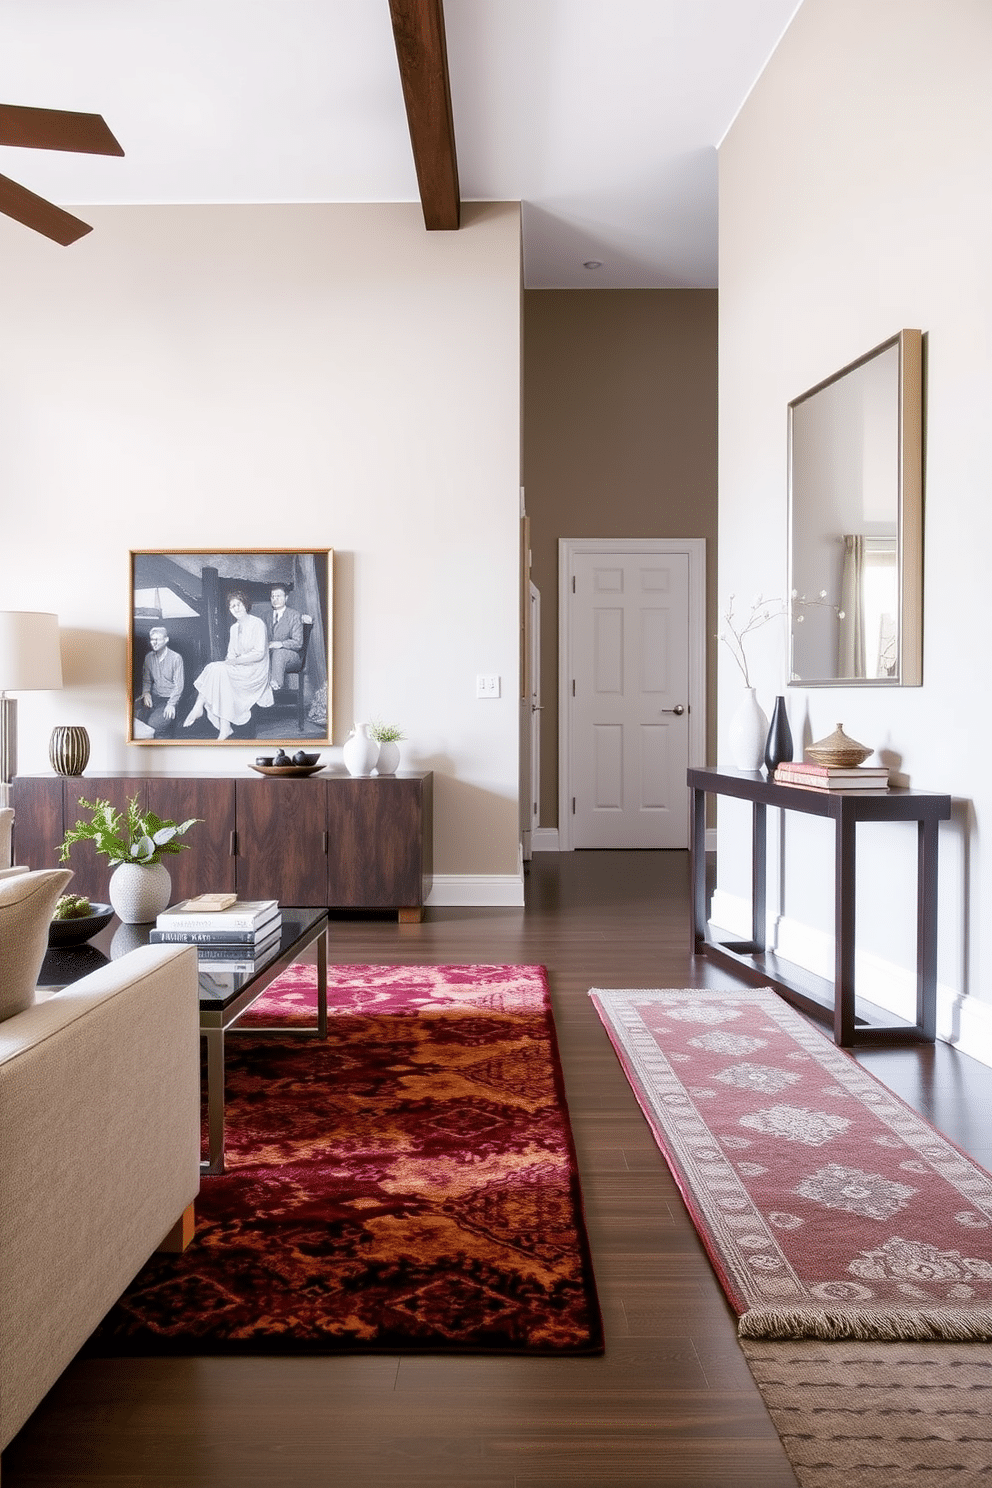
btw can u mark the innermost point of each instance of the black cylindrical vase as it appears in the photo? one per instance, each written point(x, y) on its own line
point(778, 745)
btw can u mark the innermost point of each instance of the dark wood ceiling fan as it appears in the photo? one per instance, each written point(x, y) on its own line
point(49, 129)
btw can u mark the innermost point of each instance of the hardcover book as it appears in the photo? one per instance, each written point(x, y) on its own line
point(833, 772)
point(243, 914)
point(235, 957)
point(222, 935)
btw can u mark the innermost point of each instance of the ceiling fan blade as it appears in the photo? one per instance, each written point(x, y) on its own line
point(56, 129)
point(41, 215)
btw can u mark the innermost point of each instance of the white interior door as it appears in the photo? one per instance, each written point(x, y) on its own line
point(627, 696)
point(535, 707)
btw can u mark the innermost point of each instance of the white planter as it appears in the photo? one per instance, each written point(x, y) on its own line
point(389, 758)
point(748, 733)
point(360, 751)
point(140, 891)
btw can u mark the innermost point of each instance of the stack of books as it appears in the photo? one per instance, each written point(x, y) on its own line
point(234, 937)
point(832, 777)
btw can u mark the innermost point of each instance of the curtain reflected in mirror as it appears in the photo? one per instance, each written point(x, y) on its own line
point(855, 522)
point(869, 600)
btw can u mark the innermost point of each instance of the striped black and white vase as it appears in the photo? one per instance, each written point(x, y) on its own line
point(69, 749)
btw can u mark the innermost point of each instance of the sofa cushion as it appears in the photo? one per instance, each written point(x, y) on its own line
point(26, 904)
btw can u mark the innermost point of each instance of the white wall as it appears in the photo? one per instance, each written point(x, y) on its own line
point(854, 201)
point(303, 377)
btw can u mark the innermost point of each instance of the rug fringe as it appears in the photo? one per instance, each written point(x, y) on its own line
point(945, 1325)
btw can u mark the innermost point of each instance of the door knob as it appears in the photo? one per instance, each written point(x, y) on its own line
point(678, 710)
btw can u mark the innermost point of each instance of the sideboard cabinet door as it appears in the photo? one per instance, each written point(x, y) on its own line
point(282, 840)
point(207, 866)
point(38, 829)
point(378, 854)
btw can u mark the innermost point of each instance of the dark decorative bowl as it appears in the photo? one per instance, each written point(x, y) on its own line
point(81, 927)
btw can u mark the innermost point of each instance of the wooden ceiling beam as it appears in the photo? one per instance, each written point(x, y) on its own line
point(418, 30)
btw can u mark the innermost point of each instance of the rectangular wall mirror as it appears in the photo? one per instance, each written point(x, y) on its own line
point(856, 522)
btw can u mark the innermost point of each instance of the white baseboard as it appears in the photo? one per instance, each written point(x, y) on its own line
point(962, 1021)
point(468, 890)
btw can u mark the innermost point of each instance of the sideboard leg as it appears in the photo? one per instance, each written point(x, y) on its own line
point(411, 914)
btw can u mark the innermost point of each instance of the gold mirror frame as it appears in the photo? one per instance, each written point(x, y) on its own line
point(856, 522)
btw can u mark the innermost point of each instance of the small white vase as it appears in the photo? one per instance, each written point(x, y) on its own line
point(748, 733)
point(140, 891)
point(360, 751)
point(389, 758)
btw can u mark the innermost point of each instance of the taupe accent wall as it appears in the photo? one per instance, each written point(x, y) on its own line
point(620, 440)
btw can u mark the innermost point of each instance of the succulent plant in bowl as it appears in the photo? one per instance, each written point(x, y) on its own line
point(76, 919)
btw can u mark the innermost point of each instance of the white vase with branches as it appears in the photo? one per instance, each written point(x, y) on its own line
point(748, 731)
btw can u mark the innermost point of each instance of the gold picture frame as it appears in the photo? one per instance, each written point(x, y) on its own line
point(211, 660)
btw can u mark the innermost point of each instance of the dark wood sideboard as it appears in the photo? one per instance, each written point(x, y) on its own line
point(338, 841)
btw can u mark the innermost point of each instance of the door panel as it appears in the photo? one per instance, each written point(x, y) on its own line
point(629, 630)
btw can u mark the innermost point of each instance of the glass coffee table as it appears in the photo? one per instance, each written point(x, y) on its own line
point(224, 997)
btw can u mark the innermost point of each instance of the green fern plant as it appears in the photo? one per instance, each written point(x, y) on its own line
point(134, 836)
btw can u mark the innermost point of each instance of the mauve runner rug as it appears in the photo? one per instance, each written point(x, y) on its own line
point(829, 1209)
point(408, 1184)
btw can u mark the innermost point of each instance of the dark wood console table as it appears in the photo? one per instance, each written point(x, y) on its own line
point(815, 994)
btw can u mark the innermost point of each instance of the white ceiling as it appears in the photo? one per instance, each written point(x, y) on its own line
point(602, 116)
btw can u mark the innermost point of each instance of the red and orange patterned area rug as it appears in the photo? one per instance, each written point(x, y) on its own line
point(829, 1208)
point(408, 1184)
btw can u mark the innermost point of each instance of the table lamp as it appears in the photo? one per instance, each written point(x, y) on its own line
point(30, 661)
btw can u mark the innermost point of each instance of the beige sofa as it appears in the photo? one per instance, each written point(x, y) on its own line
point(99, 1155)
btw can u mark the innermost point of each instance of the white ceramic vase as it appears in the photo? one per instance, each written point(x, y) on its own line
point(389, 758)
point(360, 751)
point(748, 733)
point(140, 891)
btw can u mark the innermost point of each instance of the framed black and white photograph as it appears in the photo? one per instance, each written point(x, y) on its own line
point(227, 648)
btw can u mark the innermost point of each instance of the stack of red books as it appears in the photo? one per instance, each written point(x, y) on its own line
point(832, 777)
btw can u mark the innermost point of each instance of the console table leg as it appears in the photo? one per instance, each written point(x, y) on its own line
point(926, 929)
point(844, 907)
point(759, 876)
point(697, 871)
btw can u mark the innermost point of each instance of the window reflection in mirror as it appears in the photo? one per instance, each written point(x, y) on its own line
point(855, 521)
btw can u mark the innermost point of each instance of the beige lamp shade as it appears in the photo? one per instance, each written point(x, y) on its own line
point(30, 661)
point(30, 656)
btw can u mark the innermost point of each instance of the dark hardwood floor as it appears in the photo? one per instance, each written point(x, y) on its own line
point(671, 1402)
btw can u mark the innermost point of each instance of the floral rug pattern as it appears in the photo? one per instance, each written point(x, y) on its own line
point(829, 1208)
